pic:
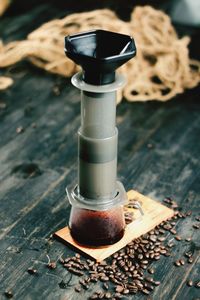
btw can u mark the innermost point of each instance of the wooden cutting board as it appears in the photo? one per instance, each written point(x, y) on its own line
point(154, 214)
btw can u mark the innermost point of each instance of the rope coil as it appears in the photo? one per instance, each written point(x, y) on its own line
point(161, 69)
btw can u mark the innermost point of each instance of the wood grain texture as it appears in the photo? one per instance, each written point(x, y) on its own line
point(37, 165)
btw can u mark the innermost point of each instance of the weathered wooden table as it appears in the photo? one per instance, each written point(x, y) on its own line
point(159, 149)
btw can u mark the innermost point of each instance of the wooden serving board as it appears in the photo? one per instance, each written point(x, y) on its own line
point(154, 214)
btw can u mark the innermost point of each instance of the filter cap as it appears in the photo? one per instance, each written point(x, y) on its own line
point(100, 53)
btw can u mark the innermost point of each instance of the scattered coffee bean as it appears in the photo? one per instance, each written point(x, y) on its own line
point(156, 283)
point(177, 263)
point(188, 213)
point(170, 245)
point(188, 239)
point(145, 291)
point(197, 218)
point(178, 238)
point(149, 279)
point(161, 239)
point(94, 296)
point(126, 270)
point(105, 285)
point(196, 226)
point(77, 255)
point(19, 129)
point(197, 284)
point(32, 271)
point(190, 260)
point(51, 265)
point(190, 283)
point(8, 294)
point(125, 291)
point(151, 271)
point(75, 271)
point(173, 231)
point(77, 289)
point(188, 254)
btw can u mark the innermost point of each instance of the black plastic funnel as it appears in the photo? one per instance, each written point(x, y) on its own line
point(100, 53)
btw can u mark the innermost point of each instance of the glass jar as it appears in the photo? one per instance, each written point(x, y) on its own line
point(97, 228)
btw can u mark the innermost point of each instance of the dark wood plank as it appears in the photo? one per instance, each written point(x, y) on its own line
point(33, 205)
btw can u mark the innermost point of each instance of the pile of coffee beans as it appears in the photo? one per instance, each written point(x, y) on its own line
point(128, 271)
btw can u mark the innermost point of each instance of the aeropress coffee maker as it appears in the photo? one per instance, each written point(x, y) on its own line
point(97, 216)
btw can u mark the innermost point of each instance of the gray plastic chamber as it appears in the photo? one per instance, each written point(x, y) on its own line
point(99, 53)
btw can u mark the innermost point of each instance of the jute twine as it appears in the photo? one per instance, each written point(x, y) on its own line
point(3, 6)
point(161, 69)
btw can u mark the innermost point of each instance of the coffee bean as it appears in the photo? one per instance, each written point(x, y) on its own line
point(87, 279)
point(133, 290)
point(75, 271)
point(197, 284)
point(156, 283)
point(8, 294)
point(119, 289)
point(161, 238)
point(151, 270)
point(173, 231)
point(163, 251)
point(149, 287)
point(67, 259)
point(157, 257)
point(105, 285)
point(140, 256)
point(93, 278)
point(86, 286)
point(177, 263)
point(190, 260)
point(170, 244)
point(51, 265)
point(77, 289)
point(153, 238)
point(178, 238)
point(20, 129)
point(167, 226)
point(108, 295)
point(145, 291)
point(94, 296)
point(101, 295)
point(32, 271)
point(77, 255)
point(190, 283)
point(149, 279)
point(188, 239)
point(197, 218)
point(167, 200)
point(104, 278)
point(188, 254)
point(117, 296)
point(196, 226)
point(182, 262)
